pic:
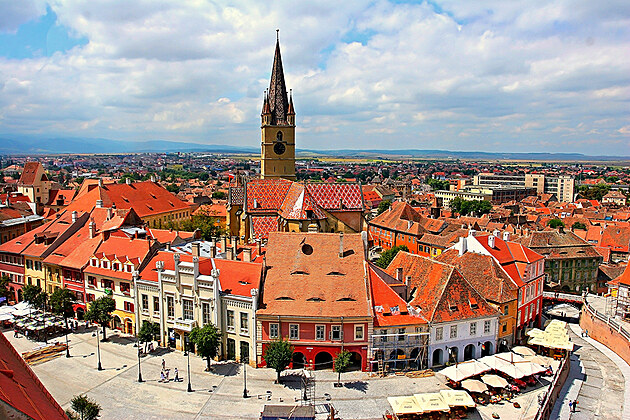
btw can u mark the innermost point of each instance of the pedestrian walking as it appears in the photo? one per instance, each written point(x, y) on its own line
point(163, 364)
point(586, 333)
point(571, 405)
point(176, 378)
point(166, 376)
point(162, 377)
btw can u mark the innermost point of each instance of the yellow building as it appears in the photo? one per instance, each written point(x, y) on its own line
point(277, 127)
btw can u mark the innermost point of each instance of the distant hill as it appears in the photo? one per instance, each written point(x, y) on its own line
point(23, 145)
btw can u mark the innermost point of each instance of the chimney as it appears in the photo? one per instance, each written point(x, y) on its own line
point(247, 254)
point(224, 244)
point(229, 254)
point(258, 245)
point(109, 213)
point(506, 236)
point(407, 281)
point(128, 181)
point(496, 232)
point(340, 244)
point(195, 249)
point(153, 178)
point(74, 216)
point(100, 182)
point(491, 239)
point(462, 246)
point(92, 227)
point(99, 204)
point(399, 274)
point(168, 246)
point(234, 246)
point(213, 250)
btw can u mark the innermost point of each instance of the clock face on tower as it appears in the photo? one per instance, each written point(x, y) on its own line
point(279, 148)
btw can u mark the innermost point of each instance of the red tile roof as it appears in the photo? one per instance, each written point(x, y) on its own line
point(29, 174)
point(238, 277)
point(307, 277)
point(625, 277)
point(439, 289)
point(337, 196)
point(21, 389)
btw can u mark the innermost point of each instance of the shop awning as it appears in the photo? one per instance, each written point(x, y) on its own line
point(457, 398)
point(404, 405)
point(431, 402)
point(464, 370)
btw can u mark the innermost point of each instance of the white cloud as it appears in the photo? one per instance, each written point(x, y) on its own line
point(469, 77)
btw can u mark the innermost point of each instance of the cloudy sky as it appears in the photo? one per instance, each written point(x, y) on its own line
point(459, 75)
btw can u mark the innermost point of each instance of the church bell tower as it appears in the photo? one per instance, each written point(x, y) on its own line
point(277, 126)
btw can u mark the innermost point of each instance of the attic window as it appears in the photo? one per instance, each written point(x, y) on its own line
point(244, 283)
point(335, 273)
point(171, 203)
point(284, 298)
point(473, 303)
point(315, 299)
point(153, 195)
point(150, 208)
point(452, 307)
point(378, 308)
point(346, 299)
point(300, 272)
point(307, 249)
point(125, 198)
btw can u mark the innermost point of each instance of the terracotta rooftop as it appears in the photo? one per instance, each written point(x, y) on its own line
point(307, 276)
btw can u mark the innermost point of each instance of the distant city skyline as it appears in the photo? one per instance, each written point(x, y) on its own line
point(500, 77)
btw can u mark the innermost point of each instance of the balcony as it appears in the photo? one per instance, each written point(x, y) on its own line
point(185, 324)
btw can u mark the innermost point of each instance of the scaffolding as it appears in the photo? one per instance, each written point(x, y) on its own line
point(399, 352)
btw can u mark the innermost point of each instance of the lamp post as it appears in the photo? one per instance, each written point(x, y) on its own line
point(245, 378)
point(139, 370)
point(98, 347)
point(67, 345)
point(187, 354)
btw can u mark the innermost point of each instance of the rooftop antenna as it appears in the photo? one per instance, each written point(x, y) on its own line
point(277, 34)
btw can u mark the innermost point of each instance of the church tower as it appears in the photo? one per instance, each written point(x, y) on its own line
point(277, 126)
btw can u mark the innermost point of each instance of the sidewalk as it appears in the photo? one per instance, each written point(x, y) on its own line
point(599, 380)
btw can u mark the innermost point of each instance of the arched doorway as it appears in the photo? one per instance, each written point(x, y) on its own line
point(453, 355)
point(415, 362)
point(397, 359)
point(436, 360)
point(469, 352)
point(80, 314)
point(19, 295)
point(355, 361)
point(323, 360)
point(486, 349)
point(118, 325)
point(128, 326)
point(298, 360)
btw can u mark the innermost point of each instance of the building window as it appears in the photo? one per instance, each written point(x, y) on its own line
point(205, 312)
point(439, 334)
point(320, 332)
point(384, 336)
point(486, 327)
point(145, 303)
point(453, 331)
point(273, 330)
point(170, 306)
point(358, 332)
point(401, 334)
point(505, 310)
point(128, 306)
point(230, 320)
point(294, 332)
point(473, 329)
point(244, 323)
point(504, 329)
point(188, 308)
point(156, 304)
point(125, 288)
point(335, 333)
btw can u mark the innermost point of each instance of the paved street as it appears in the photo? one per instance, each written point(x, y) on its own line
point(218, 394)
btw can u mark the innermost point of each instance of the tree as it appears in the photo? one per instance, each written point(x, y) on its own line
point(62, 303)
point(86, 408)
point(4, 286)
point(100, 311)
point(208, 225)
point(206, 340)
point(35, 296)
point(342, 363)
point(219, 195)
point(437, 184)
point(173, 188)
point(555, 223)
point(278, 355)
point(383, 206)
point(387, 256)
point(147, 332)
point(579, 225)
point(466, 207)
point(596, 192)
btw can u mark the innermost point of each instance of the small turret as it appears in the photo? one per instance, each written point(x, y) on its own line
point(265, 115)
point(290, 110)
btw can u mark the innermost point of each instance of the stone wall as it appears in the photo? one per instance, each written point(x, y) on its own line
point(606, 331)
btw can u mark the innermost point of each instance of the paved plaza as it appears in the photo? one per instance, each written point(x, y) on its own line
point(218, 394)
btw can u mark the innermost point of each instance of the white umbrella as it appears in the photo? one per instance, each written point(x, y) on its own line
point(461, 371)
point(494, 381)
point(523, 351)
point(474, 385)
point(6, 317)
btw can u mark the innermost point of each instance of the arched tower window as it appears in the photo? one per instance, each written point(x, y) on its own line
point(279, 136)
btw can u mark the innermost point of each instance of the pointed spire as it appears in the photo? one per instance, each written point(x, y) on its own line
point(290, 111)
point(278, 101)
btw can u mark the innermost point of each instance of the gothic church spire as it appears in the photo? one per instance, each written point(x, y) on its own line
point(278, 101)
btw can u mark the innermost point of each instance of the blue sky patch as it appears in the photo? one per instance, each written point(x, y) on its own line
point(38, 38)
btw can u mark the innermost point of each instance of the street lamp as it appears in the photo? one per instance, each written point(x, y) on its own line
point(98, 347)
point(67, 345)
point(187, 353)
point(245, 378)
point(139, 371)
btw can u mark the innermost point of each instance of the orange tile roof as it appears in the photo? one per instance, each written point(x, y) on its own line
point(30, 173)
point(439, 290)
point(238, 277)
point(625, 277)
point(307, 277)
